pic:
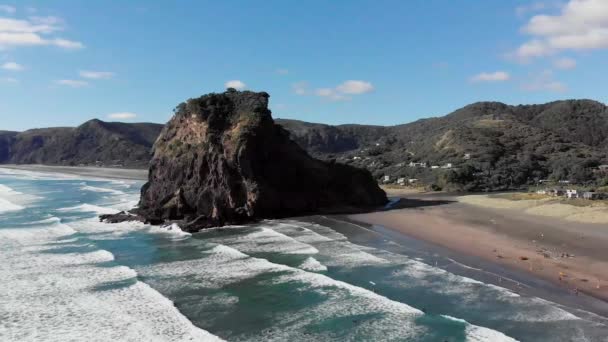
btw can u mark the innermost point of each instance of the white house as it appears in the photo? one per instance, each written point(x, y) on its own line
point(572, 193)
point(447, 166)
point(387, 178)
point(401, 181)
point(434, 166)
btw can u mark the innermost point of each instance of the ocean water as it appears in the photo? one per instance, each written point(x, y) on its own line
point(65, 276)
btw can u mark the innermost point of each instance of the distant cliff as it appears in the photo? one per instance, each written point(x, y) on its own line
point(221, 160)
point(482, 146)
point(489, 145)
point(93, 143)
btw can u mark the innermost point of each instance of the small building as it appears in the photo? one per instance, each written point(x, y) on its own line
point(603, 168)
point(592, 195)
point(447, 166)
point(387, 178)
point(401, 181)
point(573, 193)
point(412, 181)
point(356, 158)
point(467, 156)
point(434, 166)
point(412, 164)
point(556, 192)
point(541, 192)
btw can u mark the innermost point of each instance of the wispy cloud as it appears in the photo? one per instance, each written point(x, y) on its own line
point(8, 9)
point(544, 82)
point(565, 63)
point(580, 25)
point(96, 75)
point(12, 66)
point(300, 88)
point(530, 8)
point(497, 76)
point(282, 71)
point(34, 31)
point(72, 83)
point(122, 116)
point(341, 92)
point(236, 84)
point(8, 80)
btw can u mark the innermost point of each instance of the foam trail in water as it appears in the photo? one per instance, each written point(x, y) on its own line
point(53, 296)
point(265, 240)
point(104, 190)
point(312, 264)
point(90, 208)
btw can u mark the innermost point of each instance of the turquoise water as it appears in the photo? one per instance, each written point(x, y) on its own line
point(69, 277)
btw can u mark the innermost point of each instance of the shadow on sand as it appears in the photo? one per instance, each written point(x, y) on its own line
point(405, 203)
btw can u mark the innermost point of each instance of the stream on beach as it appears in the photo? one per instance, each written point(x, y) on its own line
point(67, 276)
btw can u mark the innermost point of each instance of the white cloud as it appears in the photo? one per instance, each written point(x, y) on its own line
point(565, 63)
point(331, 94)
point(300, 88)
point(9, 80)
point(122, 116)
point(34, 31)
point(8, 9)
point(73, 83)
point(339, 93)
point(497, 76)
point(355, 87)
point(281, 71)
point(580, 25)
point(533, 7)
point(96, 75)
point(544, 82)
point(12, 66)
point(236, 84)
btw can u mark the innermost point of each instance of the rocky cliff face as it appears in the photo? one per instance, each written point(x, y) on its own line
point(221, 159)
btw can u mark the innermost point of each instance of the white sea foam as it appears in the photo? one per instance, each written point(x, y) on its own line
point(173, 230)
point(6, 206)
point(99, 189)
point(312, 264)
point(265, 240)
point(90, 208)
point(11, 200)
point(66, 296)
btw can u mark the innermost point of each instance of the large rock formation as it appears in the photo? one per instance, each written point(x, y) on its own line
point(221, 159)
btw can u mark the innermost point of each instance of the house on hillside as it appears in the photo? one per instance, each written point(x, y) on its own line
point(412, 164)
point(434, 166)
point(573, 193)
point(401, 181)
point(412, 181)
point(467, 156)
point(556, 192)
point(592, 195)
point(447, 166)
point(387, 178)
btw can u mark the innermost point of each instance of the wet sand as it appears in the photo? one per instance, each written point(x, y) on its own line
point(571, 256)
point(98, 172)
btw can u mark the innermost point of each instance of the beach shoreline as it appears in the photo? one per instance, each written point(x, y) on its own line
point(555, 259)
point(86, 171)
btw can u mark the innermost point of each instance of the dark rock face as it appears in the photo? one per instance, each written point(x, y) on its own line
point(221, 159)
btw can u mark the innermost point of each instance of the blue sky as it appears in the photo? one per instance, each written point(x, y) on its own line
point(63, 62)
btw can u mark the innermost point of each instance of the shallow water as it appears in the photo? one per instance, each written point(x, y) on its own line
point(70, 277)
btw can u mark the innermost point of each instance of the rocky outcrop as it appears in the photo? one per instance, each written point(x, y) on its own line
point(222, 160)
